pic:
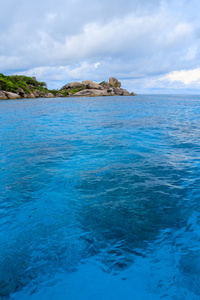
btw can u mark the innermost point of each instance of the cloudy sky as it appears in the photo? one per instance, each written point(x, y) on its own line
point(151, 46)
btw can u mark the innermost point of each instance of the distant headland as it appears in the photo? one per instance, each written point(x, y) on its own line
point(20, 86)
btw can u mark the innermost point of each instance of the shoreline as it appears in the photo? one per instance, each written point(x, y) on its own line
point(23, 87)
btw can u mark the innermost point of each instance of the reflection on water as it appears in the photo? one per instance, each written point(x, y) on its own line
point(107, 185)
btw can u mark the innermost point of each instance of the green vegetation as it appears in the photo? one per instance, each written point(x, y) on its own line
point(77, 89)
point(72, 91)
point(63, 93)
point(69, 91)
point(54, 92)
point(29, 87)
point(13, 83)
point(41, 89)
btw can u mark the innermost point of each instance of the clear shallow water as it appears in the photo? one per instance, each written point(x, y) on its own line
point(100, 198)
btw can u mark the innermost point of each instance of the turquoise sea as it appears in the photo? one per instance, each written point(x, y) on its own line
point(100, 198)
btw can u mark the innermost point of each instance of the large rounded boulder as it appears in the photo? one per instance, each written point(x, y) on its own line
point(3, 95)
point(11, 95)
point(94, 85)
point(72, 85)
point(114, 82)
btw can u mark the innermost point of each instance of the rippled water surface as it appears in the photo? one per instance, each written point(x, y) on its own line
point(100, 198)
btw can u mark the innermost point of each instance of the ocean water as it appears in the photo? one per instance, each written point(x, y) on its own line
point(100, 198)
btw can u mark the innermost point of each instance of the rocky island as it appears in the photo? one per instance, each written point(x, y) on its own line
point(20, 86)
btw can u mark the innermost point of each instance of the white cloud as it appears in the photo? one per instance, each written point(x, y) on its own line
point(96, 64)
point(50, 17)
point(191, 53)
point(179, 33)
point(187, 77)
point(63, 74)
point(138, 42)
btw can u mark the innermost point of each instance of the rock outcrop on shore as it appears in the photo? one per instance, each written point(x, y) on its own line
point(18, 87)
point(93, 89)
